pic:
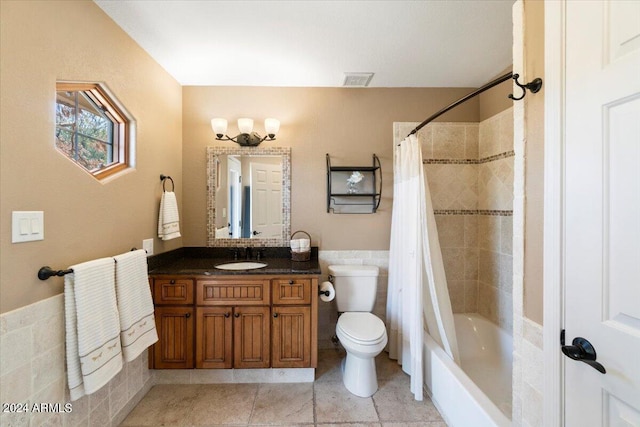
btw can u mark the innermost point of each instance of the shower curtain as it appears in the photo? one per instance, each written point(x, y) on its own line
point(417, 293)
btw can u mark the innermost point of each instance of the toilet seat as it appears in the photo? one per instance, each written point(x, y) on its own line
point(362, 328)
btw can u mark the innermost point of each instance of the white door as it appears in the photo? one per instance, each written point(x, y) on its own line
point(234, 180)
point(266, 200)
point(602, 210)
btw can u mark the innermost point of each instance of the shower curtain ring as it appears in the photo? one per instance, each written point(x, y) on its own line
point(534, 86)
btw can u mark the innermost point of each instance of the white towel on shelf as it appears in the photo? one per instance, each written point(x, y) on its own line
point(94, 355)
point(168, 221)
point(135, 304)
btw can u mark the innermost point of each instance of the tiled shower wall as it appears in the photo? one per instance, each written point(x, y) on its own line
point(469, 168)
point(32, 371)
point(495, 223)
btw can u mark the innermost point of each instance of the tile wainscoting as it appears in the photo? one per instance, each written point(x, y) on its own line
point(32, 371)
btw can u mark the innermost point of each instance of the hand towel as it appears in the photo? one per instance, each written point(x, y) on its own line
point(222, 233)
point(135, 304)
point(92, 335)
point(168, 221)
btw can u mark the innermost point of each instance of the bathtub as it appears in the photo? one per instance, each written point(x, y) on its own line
point(478, 393)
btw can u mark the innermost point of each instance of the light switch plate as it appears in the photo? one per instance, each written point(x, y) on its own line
point(27, 226)
point(147, 245)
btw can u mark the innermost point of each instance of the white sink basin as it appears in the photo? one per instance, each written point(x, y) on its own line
point(241, 265)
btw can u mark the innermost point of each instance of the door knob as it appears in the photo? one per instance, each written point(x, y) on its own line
point(275, 315)
point(583, 351)
point(226, 315)
point(236, 315)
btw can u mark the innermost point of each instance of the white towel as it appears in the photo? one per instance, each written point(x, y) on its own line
point(94, 355)
point(222, 233)
point(168, 220)
point(135, 304)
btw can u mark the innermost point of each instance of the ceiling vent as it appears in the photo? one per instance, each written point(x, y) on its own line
point(357, 79)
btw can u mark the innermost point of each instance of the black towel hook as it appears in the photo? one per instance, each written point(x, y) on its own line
point(163, 178)
point(534, 86)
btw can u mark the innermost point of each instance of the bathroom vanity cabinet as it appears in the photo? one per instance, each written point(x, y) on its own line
point(235, 321)
point(174, 313)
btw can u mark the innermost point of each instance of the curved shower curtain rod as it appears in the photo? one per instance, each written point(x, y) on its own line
point(534, 86)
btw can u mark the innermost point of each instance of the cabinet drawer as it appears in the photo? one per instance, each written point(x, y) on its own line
point(291, 291)
point(236, 292)
point(172, 291)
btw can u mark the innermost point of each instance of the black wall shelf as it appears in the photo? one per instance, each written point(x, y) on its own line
point(346, 196)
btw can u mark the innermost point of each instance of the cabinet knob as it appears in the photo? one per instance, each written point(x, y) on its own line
point(172, 282)
point(236, 315)
point(291, 282)
point(226, 315)
point(187, 315)
point(275, 315)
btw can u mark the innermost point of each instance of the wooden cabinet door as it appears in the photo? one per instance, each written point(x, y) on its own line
point(291, 291)
point(291, 343)
point(174, 349)
point(214, 326)
point(233, 292)
point(172, 291)
point(251, 337)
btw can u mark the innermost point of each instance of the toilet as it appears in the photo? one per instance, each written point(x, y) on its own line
point(362, 334)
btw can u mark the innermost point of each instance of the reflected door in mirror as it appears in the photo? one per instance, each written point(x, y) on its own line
point(266, 197)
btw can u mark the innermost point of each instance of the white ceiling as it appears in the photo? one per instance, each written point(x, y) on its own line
point(428, 43)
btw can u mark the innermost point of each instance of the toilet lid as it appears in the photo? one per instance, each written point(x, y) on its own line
point(362, 327)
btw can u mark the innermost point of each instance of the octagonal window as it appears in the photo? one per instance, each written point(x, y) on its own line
point(92, 128)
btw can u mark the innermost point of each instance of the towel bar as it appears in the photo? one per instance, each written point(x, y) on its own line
point(45, 272)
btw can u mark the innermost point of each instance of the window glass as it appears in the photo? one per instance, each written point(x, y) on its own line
point(90, 129)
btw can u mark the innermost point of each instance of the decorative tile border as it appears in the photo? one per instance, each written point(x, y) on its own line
point(449, 161)
point(499, 156)
point(473, 212)
point(212, 157)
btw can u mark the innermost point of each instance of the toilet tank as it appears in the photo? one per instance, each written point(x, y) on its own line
point(355, 285)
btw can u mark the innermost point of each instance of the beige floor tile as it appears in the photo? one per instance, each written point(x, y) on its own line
point(334, 404)
point(223, 404)
point(164, 405)
point(283, 403)
point(388, 369)
point(289, 405)
point(328, 369)
point(416, 424)
point(350, 425)
point(395, 402)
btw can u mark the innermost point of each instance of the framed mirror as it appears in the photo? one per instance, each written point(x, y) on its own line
point(248, 196)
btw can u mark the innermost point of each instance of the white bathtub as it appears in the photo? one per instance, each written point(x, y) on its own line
point(479, 393)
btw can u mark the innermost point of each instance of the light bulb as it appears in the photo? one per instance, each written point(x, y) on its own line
point(245, 125)
point(219, 126)
point(271, 126)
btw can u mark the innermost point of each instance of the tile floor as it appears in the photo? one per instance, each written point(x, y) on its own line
point(323, 403)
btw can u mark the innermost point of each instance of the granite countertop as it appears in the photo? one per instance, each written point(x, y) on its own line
point(202, 261)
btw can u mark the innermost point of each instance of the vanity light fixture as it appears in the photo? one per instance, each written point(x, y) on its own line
point(246, 138)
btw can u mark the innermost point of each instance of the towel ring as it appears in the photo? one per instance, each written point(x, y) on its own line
point(164, 178)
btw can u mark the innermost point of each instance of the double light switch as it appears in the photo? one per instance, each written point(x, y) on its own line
point(27, 226)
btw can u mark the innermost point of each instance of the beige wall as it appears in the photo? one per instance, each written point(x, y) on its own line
point(534, 160)
point(42, 41)
point(349, 124)
point(495, 99)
